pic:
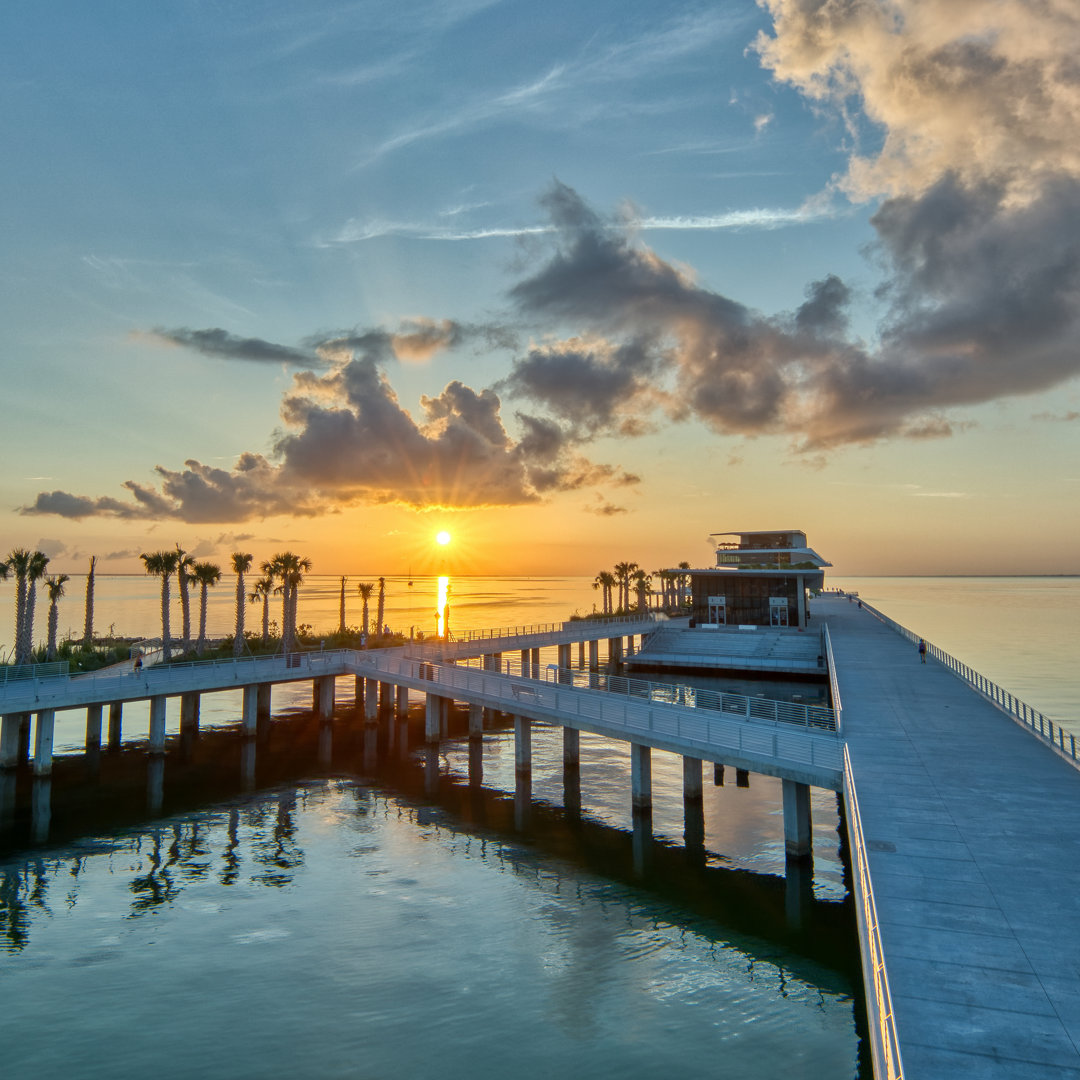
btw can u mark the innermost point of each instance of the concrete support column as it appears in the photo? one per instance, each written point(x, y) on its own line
point(630, 645)
point(525, 664)
point(386, 698)
point(116, 717)
point(476, 721)
point(371, 699)
point(43, 742)
point(157, 725)
point(581, 654)
point(189, 713)
point(522, 744)
point(9, 740)
point(641, 776)
point(564, 656)
point(594, 655)
point(691, 779)
point(742, 778)
point(250, 715)
point(614, 651)
point(358, 693)
point(265, 698)
point(571, 748)
point(718, 774)
point(324, 696)
point(797, 832)
point(401, 702)
point(534, 655)
point(433, 717)
point(93, 728)
point(24, 737)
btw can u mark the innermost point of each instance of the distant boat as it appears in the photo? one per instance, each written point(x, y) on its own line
point(410, 576)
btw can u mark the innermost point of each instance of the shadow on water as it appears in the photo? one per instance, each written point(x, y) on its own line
point(218, 775)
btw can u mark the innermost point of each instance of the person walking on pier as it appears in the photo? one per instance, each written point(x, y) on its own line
point(922, 650)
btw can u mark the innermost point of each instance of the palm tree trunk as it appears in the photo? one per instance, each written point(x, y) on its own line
point(341, 620)
point(202, 620)
point(266, 617)
point(54, 619)
point(241, 602)
point(20, 614)
point(28, 622)
point(88, 621)
point(185, 609)
point(166, 649)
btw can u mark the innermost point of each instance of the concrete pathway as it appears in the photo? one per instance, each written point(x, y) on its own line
point(973, 835)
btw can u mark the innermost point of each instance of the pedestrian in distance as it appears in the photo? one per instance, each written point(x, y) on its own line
point(138, 664)
point(922, 650)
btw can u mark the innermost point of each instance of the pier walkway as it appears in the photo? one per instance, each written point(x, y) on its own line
point(970, 825)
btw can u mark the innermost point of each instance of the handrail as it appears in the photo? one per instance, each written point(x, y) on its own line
point(834, 686)
point(1036, 722)
point(25, 672)
point(817, 717)
point(884, 1044)
point(567, 624)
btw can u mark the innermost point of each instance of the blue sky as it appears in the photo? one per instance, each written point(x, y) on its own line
point(735, 258)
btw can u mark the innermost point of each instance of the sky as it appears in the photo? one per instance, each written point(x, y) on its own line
point(577, 283)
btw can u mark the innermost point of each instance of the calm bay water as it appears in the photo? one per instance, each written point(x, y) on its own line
point(354, 916)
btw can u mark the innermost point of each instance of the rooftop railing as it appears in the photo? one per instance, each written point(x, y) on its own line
point(1036, 722)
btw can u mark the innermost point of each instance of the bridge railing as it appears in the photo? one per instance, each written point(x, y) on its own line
point(884, 1045)
point(1036, 722)
point(17, 673)
point(615, 622)
point(799, 714)
point(834, 686)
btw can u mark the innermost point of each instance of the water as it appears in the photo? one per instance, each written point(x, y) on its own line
point(354, 917)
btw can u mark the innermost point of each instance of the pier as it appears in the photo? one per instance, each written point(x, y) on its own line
point(957, 797)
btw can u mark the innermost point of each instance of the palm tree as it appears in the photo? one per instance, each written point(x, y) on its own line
point(162, 564)
point(290, 569)
point(18, 563)
point(642, 581)
point(623, 572)
point(261, 591)
point(36, 571)
point(684, 582)
point(365, 589)
point(381, 610)
point(605, 580)
point(241, 564)
point(88, 620)
point(341, 618)
point(184, 563)
point(5, 570)
point(55, 585)
point(206, 574)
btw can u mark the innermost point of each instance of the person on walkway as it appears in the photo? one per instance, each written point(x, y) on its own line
point(922, 650)
point(138, 664)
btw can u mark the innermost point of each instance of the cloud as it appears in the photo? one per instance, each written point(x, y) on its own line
point(1061, 418)
point(221, 344)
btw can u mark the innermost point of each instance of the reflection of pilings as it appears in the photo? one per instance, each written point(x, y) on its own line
point(798, 890)
point(694, 829)
point(326, 744)
point(641, 776)
point(643, 840)
point(431, 769)
point(43, 742)
point(476, 762)
point(522, 800)
point(571, 790)
point(247, 764)
point(40, 809)
point(798, 840)
point(403, 739)
point(371, 747)
point(93, 728)
point(8, 780)
point(155, 783)
point(522, 745)
point(116, 719)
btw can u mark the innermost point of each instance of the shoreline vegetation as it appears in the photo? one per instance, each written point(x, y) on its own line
point(624, 590)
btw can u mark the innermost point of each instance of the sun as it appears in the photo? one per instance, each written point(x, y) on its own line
point(442, 538)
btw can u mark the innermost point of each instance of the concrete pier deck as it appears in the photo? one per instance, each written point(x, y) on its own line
point(973, 835)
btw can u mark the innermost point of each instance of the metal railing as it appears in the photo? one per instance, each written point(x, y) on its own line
point(27, 672)
point(1036, 722)
point(799, 714)
point(834, 686)
point(884, 1044)
point(614, 621)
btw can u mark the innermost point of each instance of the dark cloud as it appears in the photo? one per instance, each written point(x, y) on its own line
point(221, 344)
